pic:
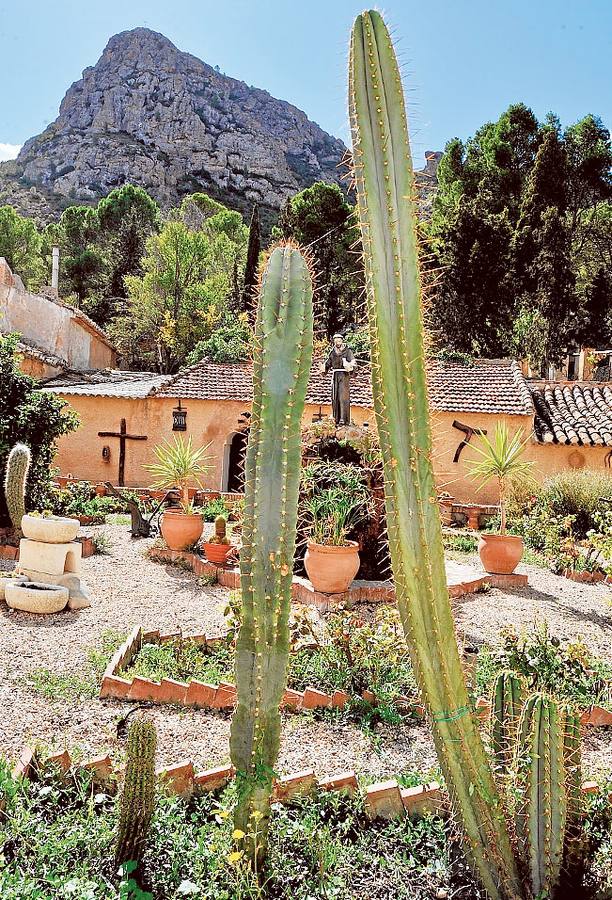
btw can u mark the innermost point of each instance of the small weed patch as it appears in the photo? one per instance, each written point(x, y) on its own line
point(81, 685)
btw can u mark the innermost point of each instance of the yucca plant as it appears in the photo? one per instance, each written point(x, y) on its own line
point(177, 465)
point(501, 458)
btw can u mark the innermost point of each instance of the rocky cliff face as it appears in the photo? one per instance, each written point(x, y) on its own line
point(152, 115)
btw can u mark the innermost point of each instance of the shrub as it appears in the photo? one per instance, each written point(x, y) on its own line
point(32, 417)
point(579, 494)
point(213, 508)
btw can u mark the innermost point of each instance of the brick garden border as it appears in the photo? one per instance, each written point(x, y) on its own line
point(383, 800)
point(200, 695)
point(303, 592)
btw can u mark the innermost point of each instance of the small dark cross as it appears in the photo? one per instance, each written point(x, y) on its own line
point(123, 437)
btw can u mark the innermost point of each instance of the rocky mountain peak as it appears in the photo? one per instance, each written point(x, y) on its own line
point(153, 115)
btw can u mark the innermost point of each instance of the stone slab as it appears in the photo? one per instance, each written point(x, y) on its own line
point(53, 559)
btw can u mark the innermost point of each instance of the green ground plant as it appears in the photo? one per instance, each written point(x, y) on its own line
point(57, 836)
point(566, 670)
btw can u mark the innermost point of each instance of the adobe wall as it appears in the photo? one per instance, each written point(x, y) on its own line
point(214, 422)
point(50, 325)
point(547, 459)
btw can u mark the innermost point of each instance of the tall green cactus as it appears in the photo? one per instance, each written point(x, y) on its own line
point(386, 194)
point(281, 367)
point(138, 796)
point(506, 704)
point(17, 468)
point(542, 784)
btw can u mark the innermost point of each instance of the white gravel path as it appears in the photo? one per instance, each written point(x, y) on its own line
point(129, 589)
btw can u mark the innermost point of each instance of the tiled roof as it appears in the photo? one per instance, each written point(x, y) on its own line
point(489, 386)
point(483, 385)
point(106, 383)
point(29, 348)
point(573, 413)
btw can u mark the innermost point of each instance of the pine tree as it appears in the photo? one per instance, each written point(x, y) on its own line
point(252, 261)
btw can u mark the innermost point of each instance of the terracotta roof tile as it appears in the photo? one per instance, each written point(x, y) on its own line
point(489, 386)
point(105, 383)
point(573, 413)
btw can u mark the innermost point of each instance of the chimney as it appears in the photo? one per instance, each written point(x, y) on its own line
point(55, 269)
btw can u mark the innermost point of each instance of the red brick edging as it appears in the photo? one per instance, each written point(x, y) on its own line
point(303, 592)
point(198, 694)
point(383, 800)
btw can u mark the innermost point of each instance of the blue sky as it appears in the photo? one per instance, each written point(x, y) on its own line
point(464, 60)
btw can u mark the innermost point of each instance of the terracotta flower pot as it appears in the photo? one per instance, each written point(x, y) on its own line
point(500, 554)
point(180, 530)
point(217, 553)
point(331, 569)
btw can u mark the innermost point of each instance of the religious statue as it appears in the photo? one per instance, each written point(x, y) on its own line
point(341, 362)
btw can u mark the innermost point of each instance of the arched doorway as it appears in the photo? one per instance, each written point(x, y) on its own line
point(235, 462)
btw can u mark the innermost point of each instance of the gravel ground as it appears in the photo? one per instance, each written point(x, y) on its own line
point(128, 589)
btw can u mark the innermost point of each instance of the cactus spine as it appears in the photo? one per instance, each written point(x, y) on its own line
point(385, 192)
point(17, 468)
point(138, 795)
point(506, 703)
point(542, 783)
point(281, 367)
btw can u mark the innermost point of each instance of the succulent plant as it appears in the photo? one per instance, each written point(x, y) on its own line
point(17, 468)
point(137, 802)
point(281, 367)
point(220, 535)
point(542, 785)
point(386, 193)
point(506, 706)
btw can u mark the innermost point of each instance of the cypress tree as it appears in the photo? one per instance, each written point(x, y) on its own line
point(252, 261)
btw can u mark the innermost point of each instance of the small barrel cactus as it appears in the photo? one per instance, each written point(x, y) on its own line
point(138, 795)
point(17, 468)
point(220, 535)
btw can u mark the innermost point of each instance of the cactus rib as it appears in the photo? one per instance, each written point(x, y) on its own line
point(385, 190)
point(281, 367)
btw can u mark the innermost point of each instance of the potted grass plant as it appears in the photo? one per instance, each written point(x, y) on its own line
point(336, 500)
point(500, 459)
point(177, 465)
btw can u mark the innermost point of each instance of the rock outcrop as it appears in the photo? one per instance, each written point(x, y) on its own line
point(155, 116)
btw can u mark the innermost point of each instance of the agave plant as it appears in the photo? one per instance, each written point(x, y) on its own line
point(177, 465)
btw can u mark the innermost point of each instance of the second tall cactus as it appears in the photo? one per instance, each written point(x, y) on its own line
point(281, 367)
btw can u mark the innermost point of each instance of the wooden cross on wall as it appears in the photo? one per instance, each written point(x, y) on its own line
point(123, 437)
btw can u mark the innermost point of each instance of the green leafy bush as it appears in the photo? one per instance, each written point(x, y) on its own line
point(229, 342)
point(567, 670)
point(213, 508)
point(31, 417)
point(573, 499)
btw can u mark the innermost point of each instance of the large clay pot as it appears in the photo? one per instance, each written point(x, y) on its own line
point(50, 529)
point(217, 553)
point(179, 530)
point(500, 554)
point(331, 569)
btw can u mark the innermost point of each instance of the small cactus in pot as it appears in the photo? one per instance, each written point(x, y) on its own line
point(218, 547)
